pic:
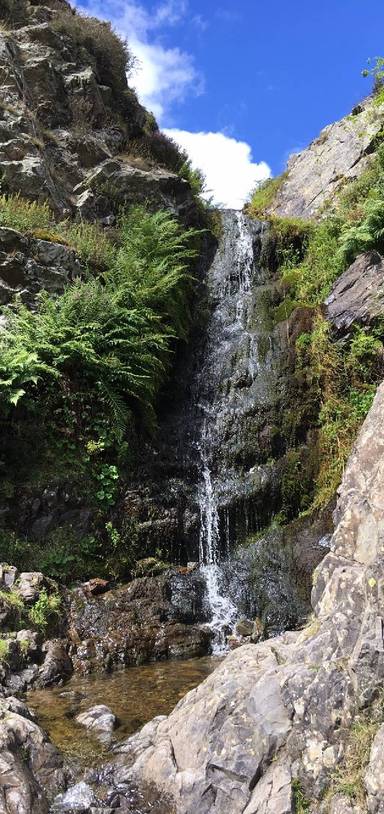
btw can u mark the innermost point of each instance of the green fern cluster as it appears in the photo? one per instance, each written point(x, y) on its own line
point(104, 346)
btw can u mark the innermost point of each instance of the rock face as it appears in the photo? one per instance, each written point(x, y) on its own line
point(358, 294)
point(70, 125)
point(341, 153)
point(100, 720)
point(28, 265)
point(279, 711)
point(149, 619)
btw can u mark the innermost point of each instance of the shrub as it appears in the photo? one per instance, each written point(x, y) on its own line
point(14, 12)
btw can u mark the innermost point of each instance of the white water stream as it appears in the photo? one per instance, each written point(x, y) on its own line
point(211, 552)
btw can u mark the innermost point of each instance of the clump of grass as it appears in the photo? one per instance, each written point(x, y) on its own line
point(343, 378)
point(264, 196)
point(23, 215)
point(13, 600)
point(349, 777)
point(91, 242)
point(300, 802)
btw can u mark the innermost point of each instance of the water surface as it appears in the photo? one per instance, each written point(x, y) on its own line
point(135, 695)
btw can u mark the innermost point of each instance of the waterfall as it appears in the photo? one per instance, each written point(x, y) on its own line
point(222, 609)
point(228, 340)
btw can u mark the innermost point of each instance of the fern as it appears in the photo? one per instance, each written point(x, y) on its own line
point(114, 333)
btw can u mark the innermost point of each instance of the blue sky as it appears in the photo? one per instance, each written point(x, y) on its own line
point(242, 85)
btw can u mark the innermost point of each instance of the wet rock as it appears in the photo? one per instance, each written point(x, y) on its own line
point(244, 627)
point(79, 798)
point(95, 586)
point(357, 297)
point(100, 720)
point(151, 618)
point(340, 154)
point(57, 665)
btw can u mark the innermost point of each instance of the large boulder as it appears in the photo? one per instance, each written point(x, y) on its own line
point(274, 717)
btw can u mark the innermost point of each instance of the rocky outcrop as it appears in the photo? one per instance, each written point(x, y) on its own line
point(339, 155)
point(151, 618)
point(71, 130)
point(357, 297)
point(274, 717)
point(28, 265)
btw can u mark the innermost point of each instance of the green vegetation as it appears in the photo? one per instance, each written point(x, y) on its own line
point(80, 375)
point(376, 72)
point(13, 600)
point(264, 195)
point(348, 779)
point(300, 802)
point(112, 55)
point(4, 650)
point(337, 377)
point(342, 379)
point(46, 607)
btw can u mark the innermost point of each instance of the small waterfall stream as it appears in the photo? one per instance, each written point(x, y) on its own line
point(230, 344)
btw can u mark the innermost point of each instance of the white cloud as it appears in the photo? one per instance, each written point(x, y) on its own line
point(164, 75)
point(227, 164)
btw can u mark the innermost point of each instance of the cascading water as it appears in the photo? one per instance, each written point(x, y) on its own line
point(222, 609)
point(230, 290)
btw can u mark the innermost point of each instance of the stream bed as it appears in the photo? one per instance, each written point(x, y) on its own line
point(135, 695)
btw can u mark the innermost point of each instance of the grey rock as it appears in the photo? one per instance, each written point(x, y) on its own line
point(358, 295)
point(31, 769)
point(78, 798)
point(29, 585)
point(100, 720)
point(57, 665)
point(340, 154)
point(8, 575)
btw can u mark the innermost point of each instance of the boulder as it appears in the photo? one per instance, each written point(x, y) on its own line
point(57, 665)
point(8, 575)
point(357, 297)
point(29, 585)
point(99, 720)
